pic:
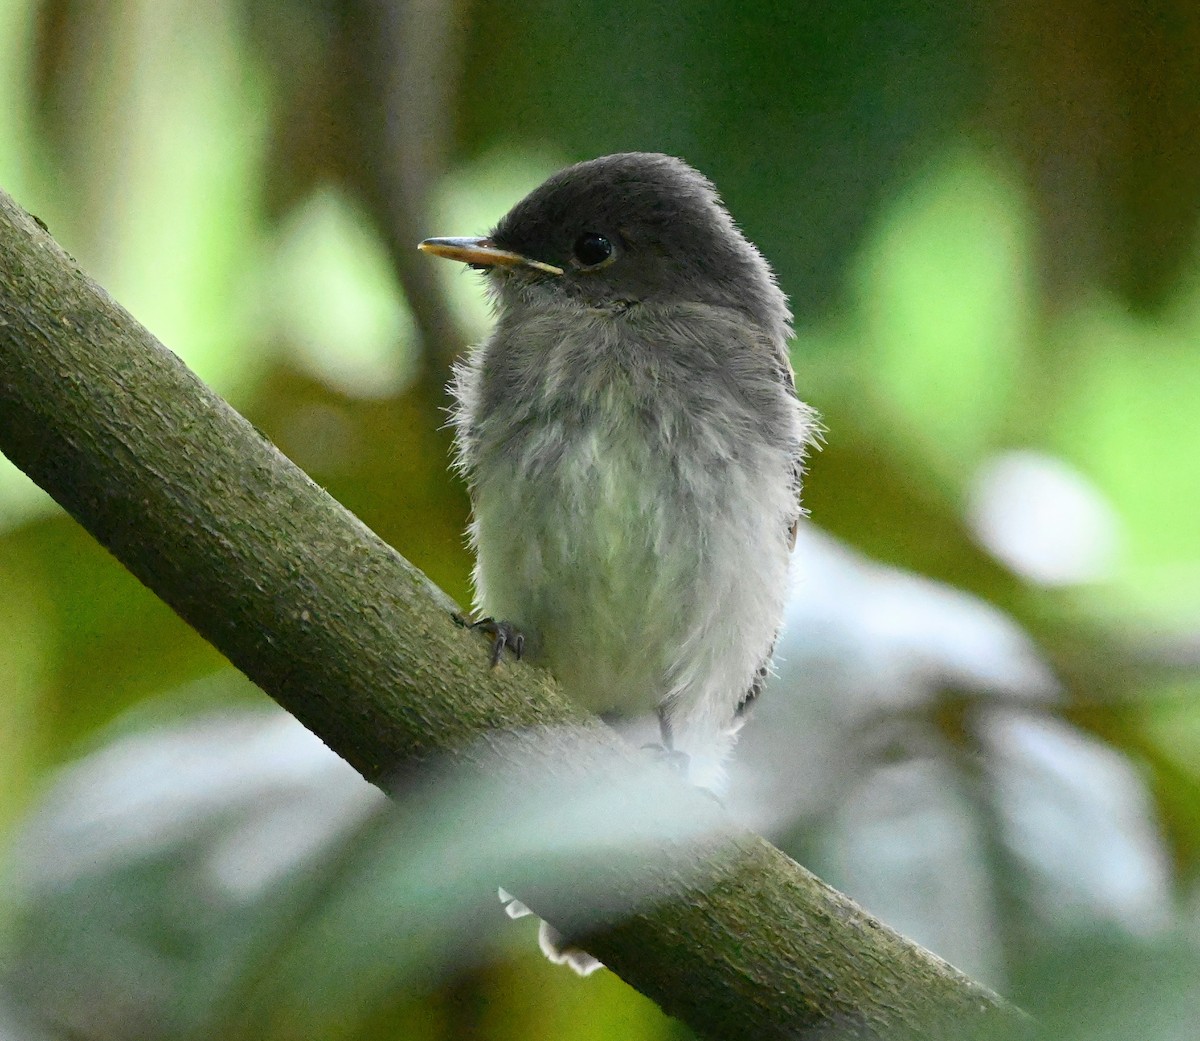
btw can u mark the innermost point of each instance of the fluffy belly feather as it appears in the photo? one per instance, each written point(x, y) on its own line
point(642, 575)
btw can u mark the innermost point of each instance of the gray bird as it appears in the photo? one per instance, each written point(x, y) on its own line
point(633, 444)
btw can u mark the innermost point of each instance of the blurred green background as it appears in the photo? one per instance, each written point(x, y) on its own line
point(985, 215)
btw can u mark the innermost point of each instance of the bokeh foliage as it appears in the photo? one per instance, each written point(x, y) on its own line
point(985, 216)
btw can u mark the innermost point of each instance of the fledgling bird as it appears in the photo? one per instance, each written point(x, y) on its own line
point(633, 444)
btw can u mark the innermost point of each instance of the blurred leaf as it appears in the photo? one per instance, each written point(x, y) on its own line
point(1107, 989)
point(113, 641)
point(943, 299)
point(1126, 416)
point(163, 116)
point(26, 650)
point(335, 300)
point(20, 499)
point(22, 167)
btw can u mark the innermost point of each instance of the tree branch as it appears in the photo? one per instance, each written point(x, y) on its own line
point(354, 641)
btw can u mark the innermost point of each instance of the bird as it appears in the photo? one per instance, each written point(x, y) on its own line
point(634, 446)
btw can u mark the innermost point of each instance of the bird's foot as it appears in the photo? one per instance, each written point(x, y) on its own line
point(681, 763)
point(676, 760)
point(503, 634)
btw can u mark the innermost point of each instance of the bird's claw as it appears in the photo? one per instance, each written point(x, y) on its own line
point(676, 760)
point(503, 634)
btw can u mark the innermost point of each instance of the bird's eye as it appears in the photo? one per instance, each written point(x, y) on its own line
point(591, 249)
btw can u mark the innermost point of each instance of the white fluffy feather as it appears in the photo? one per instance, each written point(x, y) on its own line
point(645, 558)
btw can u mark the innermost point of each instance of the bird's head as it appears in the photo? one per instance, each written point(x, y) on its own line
point(627, 229)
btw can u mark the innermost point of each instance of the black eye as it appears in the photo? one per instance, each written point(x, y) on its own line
point(591, 249)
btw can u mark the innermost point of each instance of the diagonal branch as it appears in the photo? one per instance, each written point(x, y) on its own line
point(355, 642)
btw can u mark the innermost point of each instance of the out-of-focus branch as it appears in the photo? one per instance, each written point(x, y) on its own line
point(356, 643)
point(406, 70)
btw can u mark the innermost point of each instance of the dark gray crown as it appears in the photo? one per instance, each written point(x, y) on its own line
point(675, 241)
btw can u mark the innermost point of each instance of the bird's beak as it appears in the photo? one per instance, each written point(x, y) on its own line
point(482, 253)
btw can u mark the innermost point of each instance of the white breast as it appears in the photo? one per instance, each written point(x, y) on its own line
point(642, 577)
